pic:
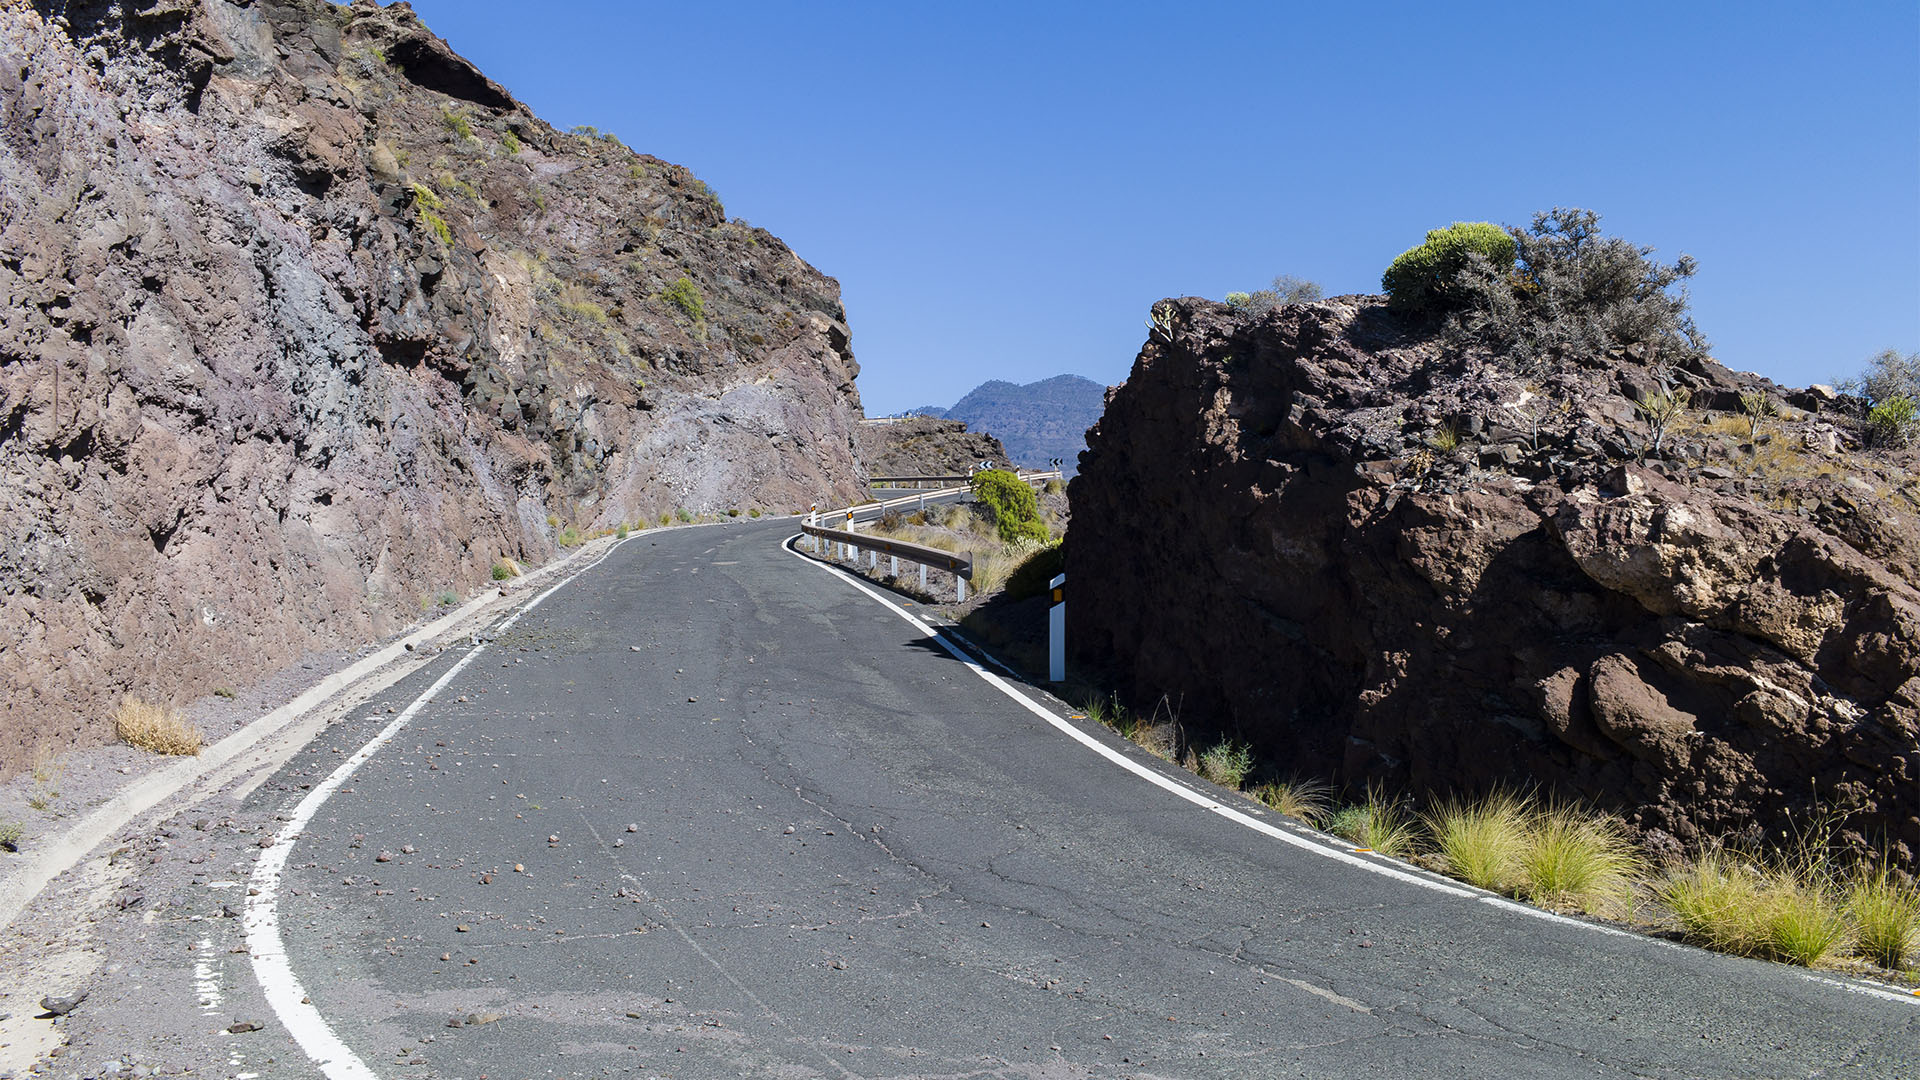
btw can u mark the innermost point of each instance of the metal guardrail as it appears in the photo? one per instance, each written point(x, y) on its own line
point(883, 481)
point(957, 565)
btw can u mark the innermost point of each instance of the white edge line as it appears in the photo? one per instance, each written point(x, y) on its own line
point(1204, 802)
point(1190, 795)
point(271, 966)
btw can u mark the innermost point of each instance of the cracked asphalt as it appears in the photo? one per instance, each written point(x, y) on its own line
point(711, 812)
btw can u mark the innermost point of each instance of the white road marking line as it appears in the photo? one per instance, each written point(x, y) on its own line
point(1197, 798)
point(1204, 802)
point(271, 966)
point(1323, 992)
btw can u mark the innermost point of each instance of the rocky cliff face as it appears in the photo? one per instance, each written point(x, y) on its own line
point(302, 319)
point(924, 446)
point(1382, 561)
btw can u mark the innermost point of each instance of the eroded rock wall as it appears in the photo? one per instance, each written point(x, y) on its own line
point(303, 321)
point(923, 446)
point(1384, 562)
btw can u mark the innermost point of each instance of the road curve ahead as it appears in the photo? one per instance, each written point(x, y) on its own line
point(710, 811)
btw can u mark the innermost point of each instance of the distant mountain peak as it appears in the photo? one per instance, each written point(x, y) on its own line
point(1038, 421)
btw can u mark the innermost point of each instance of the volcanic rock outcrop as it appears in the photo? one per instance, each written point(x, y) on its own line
point(923, 446)
point(1385, 561)
point(303, 320)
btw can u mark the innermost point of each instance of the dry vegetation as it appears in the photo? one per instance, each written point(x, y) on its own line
point(157, 729)
point(1797, 906)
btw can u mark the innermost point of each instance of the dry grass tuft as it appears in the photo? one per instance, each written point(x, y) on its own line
point(1485, 841)
point(1380, 825)
point(1302, 800)
point(1886, 917)
point(1577, 859)
point(157, 729)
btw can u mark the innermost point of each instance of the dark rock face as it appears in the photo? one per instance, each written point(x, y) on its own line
point(1038, 421)
point(303, 318)
point(923, 446)
point(1385, 562)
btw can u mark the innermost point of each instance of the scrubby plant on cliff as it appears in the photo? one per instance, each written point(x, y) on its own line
point(428, 205)
point(1894, 422)
point(1286, 289)
point(1890, 386)
point(685, 295)
point(1569, 291)
point(1424, 279)
point(1016, 513)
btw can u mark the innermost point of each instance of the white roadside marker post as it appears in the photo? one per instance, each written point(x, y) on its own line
point(1057, 630)
point(893, 566)
point(923, 577)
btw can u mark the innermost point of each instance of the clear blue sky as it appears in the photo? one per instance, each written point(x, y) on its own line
point(1003, 189)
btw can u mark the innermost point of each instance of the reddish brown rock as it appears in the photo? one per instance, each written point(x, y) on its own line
point(1385, 562)
point(303, 320)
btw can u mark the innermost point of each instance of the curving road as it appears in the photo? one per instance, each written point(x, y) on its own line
point(710, 811)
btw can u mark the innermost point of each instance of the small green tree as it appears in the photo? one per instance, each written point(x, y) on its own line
point(1424, 279)
point(1016, 513)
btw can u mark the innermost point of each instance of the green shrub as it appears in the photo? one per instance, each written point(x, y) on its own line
point(1016, 513)
point(569, 537)
point(501, 571)
point(510, 142)
point(1423, 279)
point(10, 834)
point(1894, 422)
point(754, 512)
point(458, 123)
point(733, 511)
point(1227, 763)
point(621, 532)
point(225, 692)
point(1574, 293)
point(684, 515)
point(685, 295)
point(448, 598)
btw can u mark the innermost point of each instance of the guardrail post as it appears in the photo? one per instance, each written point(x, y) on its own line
point(1057, 631)
point(873, 559)
point(893, 566)
point(923, 577)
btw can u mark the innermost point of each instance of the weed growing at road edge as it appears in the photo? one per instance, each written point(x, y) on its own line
point(1303, 800)
point(157, 729)
point(1886, 916)
point(1483, 841)
point(1380, 825)
point(1227, 763)
point(1576, 859)
point(10, 834)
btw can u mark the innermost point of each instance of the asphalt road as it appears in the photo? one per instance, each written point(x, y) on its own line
point(709, 811)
